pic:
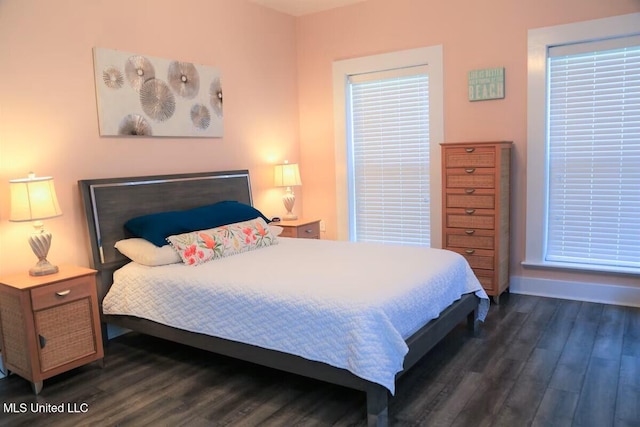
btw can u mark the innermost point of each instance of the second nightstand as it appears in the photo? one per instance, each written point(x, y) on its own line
point(300, 228)
point(49, 324)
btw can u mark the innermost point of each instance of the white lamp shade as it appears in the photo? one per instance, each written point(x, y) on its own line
point(33, 199)
point(287, 175)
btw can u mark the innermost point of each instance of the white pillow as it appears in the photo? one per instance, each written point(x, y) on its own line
point(146, 253)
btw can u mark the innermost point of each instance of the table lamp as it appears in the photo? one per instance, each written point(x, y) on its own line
point(34, 199)
point(288, 175)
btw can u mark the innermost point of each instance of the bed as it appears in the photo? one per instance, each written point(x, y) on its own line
point(393, 342)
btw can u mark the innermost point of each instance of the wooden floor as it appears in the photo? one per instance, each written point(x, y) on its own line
point(535, 361)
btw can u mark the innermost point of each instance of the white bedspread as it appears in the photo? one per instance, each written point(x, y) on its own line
point(350, 305)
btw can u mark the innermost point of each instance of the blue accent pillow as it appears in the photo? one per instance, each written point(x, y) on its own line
point(157, 227)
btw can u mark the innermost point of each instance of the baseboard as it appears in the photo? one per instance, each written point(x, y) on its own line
point(579, 291)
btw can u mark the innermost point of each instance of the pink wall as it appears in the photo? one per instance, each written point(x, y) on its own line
point(48, 119)
point(276, 72)
point(474, 35)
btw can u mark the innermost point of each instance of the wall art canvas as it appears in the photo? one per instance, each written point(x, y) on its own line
point(140, 95)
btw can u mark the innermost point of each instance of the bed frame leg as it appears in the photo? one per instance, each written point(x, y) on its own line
point(105, 334)
point(472, 323)
point(377, 406)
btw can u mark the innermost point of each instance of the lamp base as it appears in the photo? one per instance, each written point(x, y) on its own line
point(42, 268)
point(40, 242)
point(289, 199)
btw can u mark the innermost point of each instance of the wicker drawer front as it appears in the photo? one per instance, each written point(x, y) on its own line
point(470, 157)
point(474, 221)
point(478, 261)
point(59, 293)
point(65, 333)
point(471, 178)
point(477, 258)
point(478, 201)
point(472, 239)
point(486, 278)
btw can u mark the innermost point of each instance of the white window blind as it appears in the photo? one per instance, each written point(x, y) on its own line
point(389, 157)
point(594, 154)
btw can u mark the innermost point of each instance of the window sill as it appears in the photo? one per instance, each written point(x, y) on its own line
point(584, 268)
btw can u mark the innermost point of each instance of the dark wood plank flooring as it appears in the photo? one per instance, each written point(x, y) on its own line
point(534, 362)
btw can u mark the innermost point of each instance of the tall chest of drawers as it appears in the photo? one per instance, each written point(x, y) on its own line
point(476, 198)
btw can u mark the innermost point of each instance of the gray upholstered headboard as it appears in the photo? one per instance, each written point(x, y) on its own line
point(110, 202)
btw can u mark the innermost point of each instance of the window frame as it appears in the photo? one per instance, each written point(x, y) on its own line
point(402, 227)
point(428, 56)
point(539, 41)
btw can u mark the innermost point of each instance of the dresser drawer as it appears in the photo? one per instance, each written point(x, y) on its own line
point(304, 231)
point(470, 178)
point(472, 239)
point(62, 292)
point(486, 278)
point(471, 200)
point(479, 219)
point(289, 232)
point(470, 157)
point(309, 231)
point(477, 258)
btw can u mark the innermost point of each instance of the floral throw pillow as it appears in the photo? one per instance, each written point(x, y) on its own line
point(198, 247)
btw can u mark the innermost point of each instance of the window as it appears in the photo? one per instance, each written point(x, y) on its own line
point(389, 157)
point(388, 120)
point(588, 192)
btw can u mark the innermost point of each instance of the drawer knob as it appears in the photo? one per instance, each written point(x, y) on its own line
point(308, 230)
point(470, 211)
point(470, 190)
point(42, 341)
point(469, 150)
point(470, 251)
point(470, 170)
point(469, 232)
point(63, 293)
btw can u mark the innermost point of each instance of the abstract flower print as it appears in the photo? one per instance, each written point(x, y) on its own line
point(189, 254)
point(198, 247)
point(249, 235)
point(208, 241)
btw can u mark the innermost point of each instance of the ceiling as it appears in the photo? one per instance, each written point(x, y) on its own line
point(304, 7)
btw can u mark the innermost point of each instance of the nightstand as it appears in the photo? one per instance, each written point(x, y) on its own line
point(49, 324)
point(300, 228)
